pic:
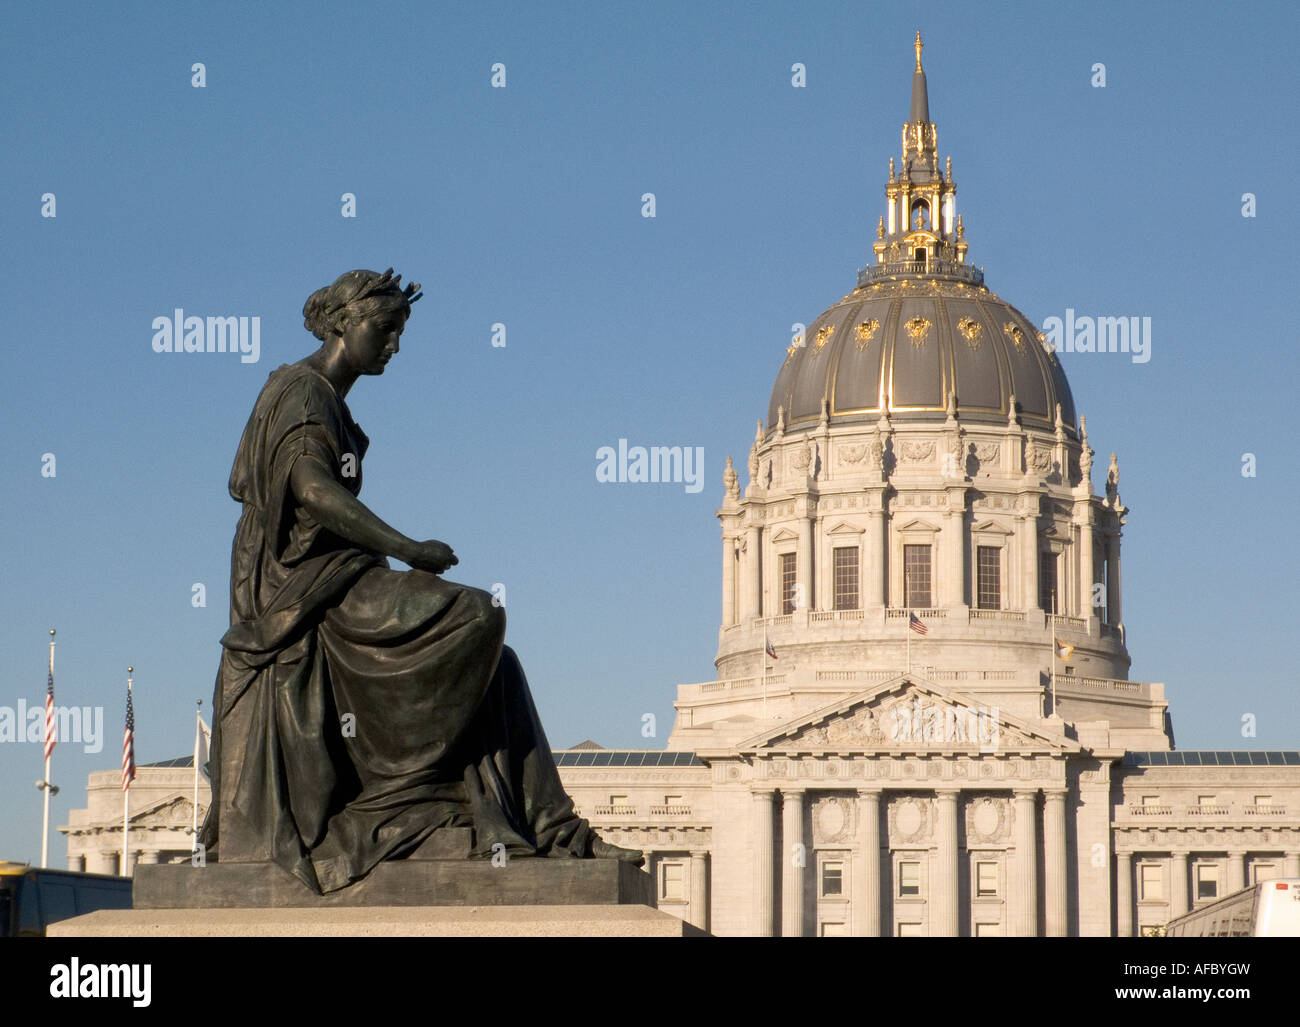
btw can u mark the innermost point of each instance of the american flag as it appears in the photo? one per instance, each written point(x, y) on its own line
point(128, 744)
point(914, 622)
point(49, 713)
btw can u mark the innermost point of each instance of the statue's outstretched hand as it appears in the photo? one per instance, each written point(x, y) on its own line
point(433, 556)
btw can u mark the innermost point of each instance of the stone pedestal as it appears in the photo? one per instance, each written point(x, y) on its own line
point(524, 881)
point(381, 922)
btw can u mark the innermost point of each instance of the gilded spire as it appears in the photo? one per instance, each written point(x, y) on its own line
point(918, 50)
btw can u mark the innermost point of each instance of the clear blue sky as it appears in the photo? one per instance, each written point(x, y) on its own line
point(523, 206)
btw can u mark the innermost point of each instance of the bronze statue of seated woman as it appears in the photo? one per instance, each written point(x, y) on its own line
point(360, 709)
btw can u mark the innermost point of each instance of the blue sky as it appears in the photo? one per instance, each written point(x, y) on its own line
point(522, 206)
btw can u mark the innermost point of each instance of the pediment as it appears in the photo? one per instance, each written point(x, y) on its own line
point(177, 811)
point(907, 714)
point(785, 535)
point(992, 528)
point(916, 524)
point(844, 528)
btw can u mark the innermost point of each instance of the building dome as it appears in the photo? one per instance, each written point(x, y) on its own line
point(921, 337)
point(903, 341)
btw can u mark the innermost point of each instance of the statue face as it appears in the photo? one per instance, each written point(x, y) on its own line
point(371, 343)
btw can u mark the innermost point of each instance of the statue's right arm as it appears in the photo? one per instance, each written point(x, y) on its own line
point(338, 510)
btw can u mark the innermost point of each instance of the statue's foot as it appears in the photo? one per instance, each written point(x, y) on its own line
point(601, 849)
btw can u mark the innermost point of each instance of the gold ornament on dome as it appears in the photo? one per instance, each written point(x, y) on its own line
point(823, 336)
point(917, 329)
point(971, 330)
point(866, 331)
point(1015, 334)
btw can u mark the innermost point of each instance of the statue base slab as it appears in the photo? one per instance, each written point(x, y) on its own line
point(522, 881)
point(582, 921)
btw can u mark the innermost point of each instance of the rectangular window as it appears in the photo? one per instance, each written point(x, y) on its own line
point(1205, 800)
point(986, 879)
point(787, 582)
point(1152, 880)
point(916, 577)
point(1263, 800)
point(672, 882)
point(912, 930)
point(1150, 800)
point(988, 930)
point(1047, 598)
point(846, 577)
point(1207, 881)
point(988, 565)
point(909, 879)
point(832, 879)
point(832, 929)
point(1262, 872)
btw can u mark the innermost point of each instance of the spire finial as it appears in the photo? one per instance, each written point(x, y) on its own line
point(918, 50)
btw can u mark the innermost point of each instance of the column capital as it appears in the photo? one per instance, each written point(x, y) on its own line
point(763, 791)
point(873, 794)
point(1025, 794)
point(948, 793)
point(794, 791)
point(1055, 794)
point(699, 853)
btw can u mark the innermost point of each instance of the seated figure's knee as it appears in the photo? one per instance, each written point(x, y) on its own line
point(484, 610)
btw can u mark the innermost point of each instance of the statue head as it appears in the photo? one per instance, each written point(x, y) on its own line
point(357, 296)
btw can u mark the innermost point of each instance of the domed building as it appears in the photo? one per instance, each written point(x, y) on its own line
point(923, 722)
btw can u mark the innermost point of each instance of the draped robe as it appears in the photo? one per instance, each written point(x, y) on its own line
point(382, 704)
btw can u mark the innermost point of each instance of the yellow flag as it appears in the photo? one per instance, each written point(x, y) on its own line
point(1063, 651)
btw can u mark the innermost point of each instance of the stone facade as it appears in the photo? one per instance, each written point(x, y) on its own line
point(162, 815)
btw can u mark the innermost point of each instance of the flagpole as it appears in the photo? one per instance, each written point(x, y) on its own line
point(909, 641)
point(1053, 633)
point(198, 741)
point(126, 785)
point(765, 668)
point(45, 783)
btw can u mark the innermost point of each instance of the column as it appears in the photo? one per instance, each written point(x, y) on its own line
point(1291, 865)
point(1025, 909)
point(1027, 529)
point(728, 580)
point(147, 857)
point(874, 569)
point(700, 889)
point(866, 867)
point(752, 590)
point(804, 562)
point(764, 883)
point(1086, 570)
point(792, 870)
point(953, 574)
point(76, 862)
point(1123, 894)
point(1178, 887)
point(1236, 872)
point(1054, 863)
point(1114, 610)
point(944, 921)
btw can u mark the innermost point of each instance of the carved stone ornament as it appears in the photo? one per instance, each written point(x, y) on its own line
point(854, 454)
point(832, 820)
point(987, 452)
point(799, 458)
point(910, 819)
point(986, 819)
point(915, 452)
point(1015, 334)
point(917, 329)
